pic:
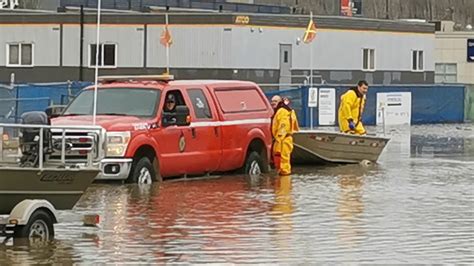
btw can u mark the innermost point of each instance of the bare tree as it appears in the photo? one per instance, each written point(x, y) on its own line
point(461, 11)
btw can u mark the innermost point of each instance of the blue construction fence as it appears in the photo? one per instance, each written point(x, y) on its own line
point(17, 99)
point(430, 103)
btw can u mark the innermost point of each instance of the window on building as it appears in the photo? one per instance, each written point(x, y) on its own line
point(446, 73)
point(19, 54)
point(107, 55)
point(368, 59)
point(417, 61)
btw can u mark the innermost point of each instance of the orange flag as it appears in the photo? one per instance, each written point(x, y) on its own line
point(165, 38)
point(310, 32)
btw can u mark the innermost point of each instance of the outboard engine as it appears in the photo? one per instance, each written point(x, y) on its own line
point(30, 139)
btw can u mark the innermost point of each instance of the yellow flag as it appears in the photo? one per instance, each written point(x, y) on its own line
point(310, 32)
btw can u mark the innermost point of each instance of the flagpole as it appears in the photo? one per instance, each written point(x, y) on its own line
point(311, 70)
point(96, 75)
point(167, 48)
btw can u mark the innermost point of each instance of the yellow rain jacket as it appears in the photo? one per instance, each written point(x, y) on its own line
point(284, 124)
point(351, 107)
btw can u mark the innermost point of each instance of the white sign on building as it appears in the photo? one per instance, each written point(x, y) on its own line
point(8, 4)
point(327, 106)
point(393, 108)
point(313, 97)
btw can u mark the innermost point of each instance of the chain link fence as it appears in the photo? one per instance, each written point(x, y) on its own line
point(17, 99)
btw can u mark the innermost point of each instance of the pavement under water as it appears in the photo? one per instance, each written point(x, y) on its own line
point(416, 205)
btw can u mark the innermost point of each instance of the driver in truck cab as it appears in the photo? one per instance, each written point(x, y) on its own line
point(169, 111)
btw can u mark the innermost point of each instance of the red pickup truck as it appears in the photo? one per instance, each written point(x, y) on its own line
point(215, 126)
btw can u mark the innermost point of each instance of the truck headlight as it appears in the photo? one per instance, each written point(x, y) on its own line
point(117, 143)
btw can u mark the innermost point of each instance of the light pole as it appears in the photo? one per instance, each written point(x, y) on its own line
point(96, 74)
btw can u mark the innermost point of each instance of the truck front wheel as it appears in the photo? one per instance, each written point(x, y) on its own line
point(254, 164)
point(39, 229)
point(143, 172)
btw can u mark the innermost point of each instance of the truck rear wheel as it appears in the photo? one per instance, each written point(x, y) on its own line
point(39, 229)
point(254, 164)
point(143, 172)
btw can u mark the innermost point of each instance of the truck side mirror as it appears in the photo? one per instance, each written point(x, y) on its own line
point(182, 115)
point(179, 118)
point(55, 110)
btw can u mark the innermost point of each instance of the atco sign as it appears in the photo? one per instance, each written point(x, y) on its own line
point(242, 20)
point(11, 4)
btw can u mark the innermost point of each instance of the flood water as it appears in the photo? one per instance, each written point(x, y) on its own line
point(415, 206)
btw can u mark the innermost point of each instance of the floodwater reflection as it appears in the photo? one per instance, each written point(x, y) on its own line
point(281, 212)
point(350, 207)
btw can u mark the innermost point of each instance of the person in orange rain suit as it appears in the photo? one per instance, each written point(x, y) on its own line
point(351, 109)
point(284, 124)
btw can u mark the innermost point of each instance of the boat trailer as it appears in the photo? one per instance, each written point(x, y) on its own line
point(34, 184)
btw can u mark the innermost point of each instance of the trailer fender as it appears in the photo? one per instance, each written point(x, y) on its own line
point(23, 210)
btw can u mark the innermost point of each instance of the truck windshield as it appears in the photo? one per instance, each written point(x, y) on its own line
point(116, 101)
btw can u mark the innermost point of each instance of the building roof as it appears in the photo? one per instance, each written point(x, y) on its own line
point(264, 20)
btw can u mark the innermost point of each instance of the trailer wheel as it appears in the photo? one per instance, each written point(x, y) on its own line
point(39, 229)
point(254, 164)
point(143, 172)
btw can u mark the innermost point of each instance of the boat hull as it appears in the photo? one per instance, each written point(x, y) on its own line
point(63, 188)
point(319, 147)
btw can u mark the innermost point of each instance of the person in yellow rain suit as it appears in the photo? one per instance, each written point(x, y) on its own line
point(351, 109)
point(284, 124)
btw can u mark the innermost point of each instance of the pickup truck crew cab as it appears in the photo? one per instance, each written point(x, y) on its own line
point(215, 126)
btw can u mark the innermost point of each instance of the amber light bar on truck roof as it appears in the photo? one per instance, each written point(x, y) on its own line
point(109, 79)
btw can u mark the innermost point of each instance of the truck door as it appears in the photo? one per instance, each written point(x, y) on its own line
point(205, 129)
point(175, 155)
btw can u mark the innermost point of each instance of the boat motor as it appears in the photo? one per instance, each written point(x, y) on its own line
point(54, 111)
point(30, 138)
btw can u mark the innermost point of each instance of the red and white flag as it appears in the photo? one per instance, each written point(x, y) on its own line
point(165, 38)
